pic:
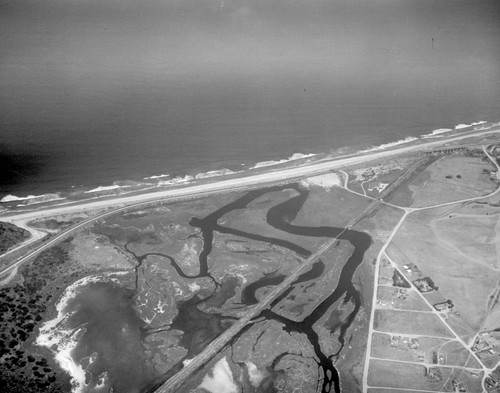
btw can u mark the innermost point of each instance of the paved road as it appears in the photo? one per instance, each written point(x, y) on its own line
point(59, 238)
point(216, 345)
point(205, 189)
point(213, 348)
point(270, 176)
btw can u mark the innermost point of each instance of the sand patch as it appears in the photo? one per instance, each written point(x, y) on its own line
point(325, 181)
point(221, 380)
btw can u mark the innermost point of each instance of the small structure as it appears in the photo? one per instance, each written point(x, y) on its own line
point(425, 284)
point(444, 306)
point(433, 374)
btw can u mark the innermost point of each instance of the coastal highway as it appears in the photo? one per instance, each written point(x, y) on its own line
point(173, 384)
point(269, 176)
point(115, 205)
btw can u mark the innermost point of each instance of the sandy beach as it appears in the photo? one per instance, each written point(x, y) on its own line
point(269, 176)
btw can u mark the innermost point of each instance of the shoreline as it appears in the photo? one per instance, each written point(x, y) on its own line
point(312, 172)
point(234, 181)
point(122, 187)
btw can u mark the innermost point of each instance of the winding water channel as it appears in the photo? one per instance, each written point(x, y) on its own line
point(280, 217)
point(201, 328)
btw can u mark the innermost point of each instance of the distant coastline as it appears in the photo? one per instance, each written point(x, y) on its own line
point(154, 182)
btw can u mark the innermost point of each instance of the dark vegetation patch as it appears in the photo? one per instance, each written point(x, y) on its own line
point(399, 281)
point(121, 235)
point(55, 225)
point(10, 235)
point(403, 195)
point(23, 308)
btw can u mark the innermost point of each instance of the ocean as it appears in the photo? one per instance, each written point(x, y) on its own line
point(147, 130)
point(93, 93)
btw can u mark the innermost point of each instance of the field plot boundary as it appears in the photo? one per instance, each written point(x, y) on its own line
point(376, 375)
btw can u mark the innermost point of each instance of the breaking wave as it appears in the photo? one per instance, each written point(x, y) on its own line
point(391, 144)
point(462, 126)
point(293, 157)
point(176, 180)
point(437, 133)
point(188, 178)
point(106, 188)
point(31, 199)
point(221, 172)
point(61, 339)
point(156, 177)
point(163, 179)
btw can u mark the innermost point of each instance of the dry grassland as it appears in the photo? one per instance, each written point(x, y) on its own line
point(473, 237)
point(425, 324)
point(493, 320)
point(453, 178)
point(457, 355)
point(382, 390)
point(392, 297)
point(381, 348)
point(471, 381)
point(403, 375)
point(467, 281)
point(335, 207)
point(386, 272)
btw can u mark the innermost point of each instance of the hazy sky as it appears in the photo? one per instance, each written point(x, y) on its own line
point(87, 50)
point(109, 84)
point(80, 41)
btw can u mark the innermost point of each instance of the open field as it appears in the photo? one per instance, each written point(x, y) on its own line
point(333, 207)
point(382, 390)
point(161, 247)
point(424, 324)
point(400, 299)
point(405, 375)
point(453, 178)
point(422, 349)
point(447, 179)
point(470, 380)
point(478, 243)
point(387, 275)
point(492, 322)
point(405, 348)
point(457, 355)
point(467, 281)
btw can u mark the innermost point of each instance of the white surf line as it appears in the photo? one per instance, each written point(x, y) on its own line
point(240, 182)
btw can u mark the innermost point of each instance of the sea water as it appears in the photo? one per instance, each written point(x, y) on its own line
point(157, 132)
